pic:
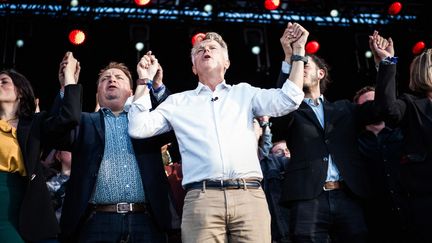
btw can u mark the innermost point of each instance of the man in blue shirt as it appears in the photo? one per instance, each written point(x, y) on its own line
point(117, 190)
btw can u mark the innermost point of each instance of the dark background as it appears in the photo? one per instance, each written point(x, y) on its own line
point(113, 39)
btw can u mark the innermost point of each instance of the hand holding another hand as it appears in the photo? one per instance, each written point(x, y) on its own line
point(147, 66)
point(380, 47)
point(69, 70)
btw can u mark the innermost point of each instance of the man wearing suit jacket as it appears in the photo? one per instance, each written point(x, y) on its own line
point(326, 177)
point(118, 190)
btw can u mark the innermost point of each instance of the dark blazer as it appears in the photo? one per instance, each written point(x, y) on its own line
point(414, 116)
point(37, 219)
point(310, 145)
point(87, 147)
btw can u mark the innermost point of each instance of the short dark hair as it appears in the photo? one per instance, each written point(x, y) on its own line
point(120, 66)
point(362, 91)
point(322, 64)
point(27, 105)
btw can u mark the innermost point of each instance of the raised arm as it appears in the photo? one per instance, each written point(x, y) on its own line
point(286, 43)
point(299, 36)
point(142, 124)
point(66, 116)
point(293, 43)
point(385, 97)
point(147, 68)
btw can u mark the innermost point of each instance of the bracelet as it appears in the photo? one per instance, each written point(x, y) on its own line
point(145, 81)
point(389, 60)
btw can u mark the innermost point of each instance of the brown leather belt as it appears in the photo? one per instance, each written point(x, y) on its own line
point(224, 184)
point(119, 207)
point(333, 185)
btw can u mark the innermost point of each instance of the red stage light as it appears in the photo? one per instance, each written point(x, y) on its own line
point(142, 2)
point(197, 37)
point(271, 4)
point(418, 47)
point(395, 8)
point(312, 47)
point(77, 37)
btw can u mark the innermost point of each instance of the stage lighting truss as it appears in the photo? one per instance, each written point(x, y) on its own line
point(172, 12)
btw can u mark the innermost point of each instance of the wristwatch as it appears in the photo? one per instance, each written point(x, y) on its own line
point(265, 124)
point(295, 58)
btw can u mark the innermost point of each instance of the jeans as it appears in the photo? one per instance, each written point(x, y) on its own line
point(334, 216)
point(115, 227)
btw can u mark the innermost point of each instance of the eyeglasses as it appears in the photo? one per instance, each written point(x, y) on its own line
point(281, 152)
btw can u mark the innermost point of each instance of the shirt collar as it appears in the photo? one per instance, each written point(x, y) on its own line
point(107, 112)
point(220, 86)
point(309, 101)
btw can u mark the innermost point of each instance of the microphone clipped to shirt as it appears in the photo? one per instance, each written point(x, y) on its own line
point(214, 99)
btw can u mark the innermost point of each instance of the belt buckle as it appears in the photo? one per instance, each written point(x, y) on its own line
point(123, 207)
point(222, 184)
point(325, 189)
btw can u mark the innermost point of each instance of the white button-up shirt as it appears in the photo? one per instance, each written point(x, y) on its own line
point(214, 129)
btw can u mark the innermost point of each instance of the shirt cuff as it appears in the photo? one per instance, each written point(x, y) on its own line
point(160, 88)
point(159, 92)
point(286, 67)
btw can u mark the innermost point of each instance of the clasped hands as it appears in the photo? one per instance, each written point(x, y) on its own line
point(149, 69)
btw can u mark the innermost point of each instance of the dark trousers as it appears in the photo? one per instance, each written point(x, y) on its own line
point(387, 219)
point(334, 216)
point(420, 217)
point(115, 227)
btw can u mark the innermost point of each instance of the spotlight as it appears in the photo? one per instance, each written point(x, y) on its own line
point(312, 47)
point(142, 2)
point(139, 46)
point(256, 50)
point(19, 43)
point(77, 37)
point(271, 4)
point(208, 8)
point(368, 54)
point(418, 47)
point(395, 8)
point(74, 3)
point(334, 13)
point(197, 38)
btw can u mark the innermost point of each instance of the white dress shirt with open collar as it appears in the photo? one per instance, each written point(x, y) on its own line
point(214, 129)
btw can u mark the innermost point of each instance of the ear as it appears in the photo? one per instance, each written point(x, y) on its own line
point(321, 73)
point(194, 69)
point(57, 155)
point(227, 64)
point(131, 92)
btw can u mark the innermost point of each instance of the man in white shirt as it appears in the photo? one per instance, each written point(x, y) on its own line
point(214, 127)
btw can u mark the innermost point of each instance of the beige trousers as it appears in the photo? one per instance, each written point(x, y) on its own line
point(221, 216)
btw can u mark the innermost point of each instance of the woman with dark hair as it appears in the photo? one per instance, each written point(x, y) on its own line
point(26, 212)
